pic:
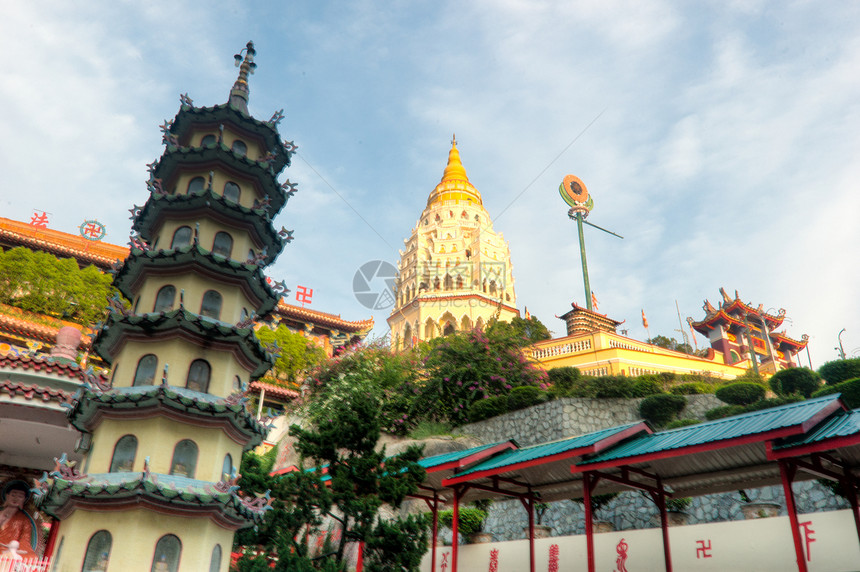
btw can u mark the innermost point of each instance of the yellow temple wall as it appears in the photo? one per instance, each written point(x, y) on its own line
point(178, 354)
point(604, 353)
point(135, 533)
point(233, 300)
point(156, 438)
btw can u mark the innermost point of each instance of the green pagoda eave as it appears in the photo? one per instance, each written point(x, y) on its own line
point(219, 156)
point(214, 206)
point(249, 278)
point(181, 323)
point(91, 407)
point(190, 117)
point(167, 494)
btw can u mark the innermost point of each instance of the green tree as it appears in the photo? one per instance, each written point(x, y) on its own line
point(525, 332)
point(297, 354)
point(671, 344)
point(40, 282)
point(795, 380)
point(840, 370)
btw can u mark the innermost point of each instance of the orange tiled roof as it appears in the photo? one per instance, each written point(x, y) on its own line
point(333, 321)
point(63, 244)
point(276, 390)
point(16, 321)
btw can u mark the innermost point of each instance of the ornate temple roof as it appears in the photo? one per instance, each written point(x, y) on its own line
point(204, 409)
point(218, 335)
point(332, 321)
point(218, 208)
point(62, 244)
point(455, 185)
point(249, 277)
point(732, 311)
point(62, 492)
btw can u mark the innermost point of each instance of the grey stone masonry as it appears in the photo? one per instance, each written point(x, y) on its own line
point(570, 416)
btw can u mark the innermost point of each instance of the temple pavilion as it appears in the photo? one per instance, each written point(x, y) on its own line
point(455, 270)
point(156, 489)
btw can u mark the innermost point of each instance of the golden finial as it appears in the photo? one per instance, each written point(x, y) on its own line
point(454, 169)
point(239, 92)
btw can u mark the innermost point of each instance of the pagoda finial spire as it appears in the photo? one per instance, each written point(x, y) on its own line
point(454, 169)
point(239, 92)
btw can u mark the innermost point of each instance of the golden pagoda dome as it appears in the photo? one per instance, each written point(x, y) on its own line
point(455, 185)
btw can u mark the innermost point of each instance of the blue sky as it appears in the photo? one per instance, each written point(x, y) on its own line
point(720, 139)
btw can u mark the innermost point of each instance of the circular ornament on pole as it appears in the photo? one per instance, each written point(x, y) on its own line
point(92, 230)
point(575, 194)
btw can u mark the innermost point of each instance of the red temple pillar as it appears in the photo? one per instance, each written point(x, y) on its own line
point(786, 472)
point(455, 526)
point(588, 482)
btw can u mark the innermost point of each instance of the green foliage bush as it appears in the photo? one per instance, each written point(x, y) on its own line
point(525, 396)
point(840, 370)
point(729, 410)
point(850, 390)
point(743, 393)
point(645, 387)
point(678, 504)
point(488, 407)
point(723, 411)
point(661, 409)
point(563, 380)
point(692, 388)
point(682, 423)
point(795, 380)
point(469, 520)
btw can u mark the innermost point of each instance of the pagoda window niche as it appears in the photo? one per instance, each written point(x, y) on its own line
point(232, 191)
point(97, 556)
point(227, 467)
point(449, 282)
point(448, 329)
point(240, 148)
point(198, 376)
point(184, 463)
point(123, 454)
point(211, 305)
point(208, 140)
point(168, 549)
point(165, 299)
point(237, 383)
point(196, 185)
point(215, 561)
point(223, 244)
point(182, 237)
point(145, 372)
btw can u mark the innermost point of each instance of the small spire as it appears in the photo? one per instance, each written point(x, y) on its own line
point(454, 169)
point(239, 92)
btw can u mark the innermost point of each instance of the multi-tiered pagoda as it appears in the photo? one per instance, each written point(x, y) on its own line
point(740, 331)
point(157, 487)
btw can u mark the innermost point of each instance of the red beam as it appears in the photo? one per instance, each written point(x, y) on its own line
point(819, 447)
point(476, 456)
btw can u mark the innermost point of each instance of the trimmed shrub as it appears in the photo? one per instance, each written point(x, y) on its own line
point(742, 393)
point(563, 377)
point(469, 520)
point(610, 386)
point(840, 370)
point(849, 389)
point(489, 407)
point(645, 387)
point(682, 423)
point(661, 409)
point(723, 411)
point(525, 396)
point(796, 380)
point(693, 388)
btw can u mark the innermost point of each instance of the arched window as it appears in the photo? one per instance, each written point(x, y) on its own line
point(123, 454)
point(223, 244)
point(168, 549)
point(184, 463)
point(232, 192)
point(97, 555)
point(164, 299)
point(196, 185)
point(182, 237)
point(492, 287)
point(211, 305)
point(436, 283)
point(145, 372)
point(208, 140)
point(227, 467)
point(237, 383)
point(449, 282)
point(136, 302)
point(407, 336)
point(215, 561)
point(240, 148)
point(449, 329)
point(198, 376)
point(459, 282)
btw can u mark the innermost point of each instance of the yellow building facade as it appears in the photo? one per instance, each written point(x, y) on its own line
point(455, 270)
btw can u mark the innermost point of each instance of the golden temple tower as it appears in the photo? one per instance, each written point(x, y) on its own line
point(455, 271)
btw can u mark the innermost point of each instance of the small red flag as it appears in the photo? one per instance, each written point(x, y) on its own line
point(644, 319)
